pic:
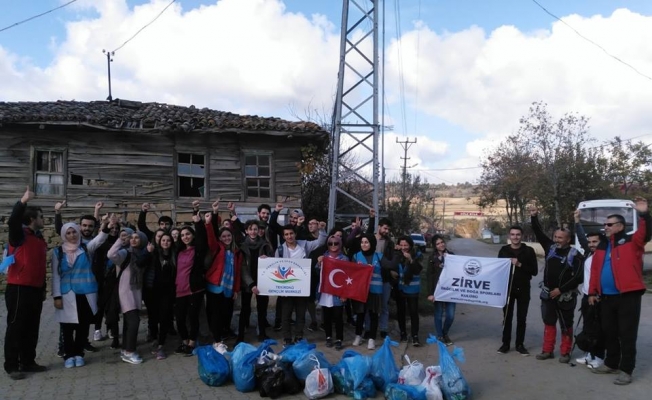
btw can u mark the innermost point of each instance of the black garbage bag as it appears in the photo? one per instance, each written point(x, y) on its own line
point(271, 382)
point(291, 384)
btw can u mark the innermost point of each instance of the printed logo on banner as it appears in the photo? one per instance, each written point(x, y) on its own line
point(472, 267)
point(283, 274)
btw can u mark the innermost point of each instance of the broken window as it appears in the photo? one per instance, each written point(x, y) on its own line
point(49, 172)
point(191, 174)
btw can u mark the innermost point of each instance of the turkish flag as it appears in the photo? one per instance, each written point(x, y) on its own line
point(346, 279)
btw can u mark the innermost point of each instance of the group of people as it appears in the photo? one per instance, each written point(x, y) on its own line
point(608, 274)
point(103, 271)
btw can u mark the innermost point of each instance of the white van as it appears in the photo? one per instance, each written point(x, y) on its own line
point(593, 213)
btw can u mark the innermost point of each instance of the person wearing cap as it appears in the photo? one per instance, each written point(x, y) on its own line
point(75, 289)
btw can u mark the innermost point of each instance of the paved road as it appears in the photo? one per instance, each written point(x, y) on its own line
point(476, 329)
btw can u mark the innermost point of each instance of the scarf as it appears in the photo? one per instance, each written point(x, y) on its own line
point(227, 275)
point(70, 249)
point(372, 241)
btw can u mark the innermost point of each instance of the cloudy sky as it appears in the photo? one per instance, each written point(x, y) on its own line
point(471, 68)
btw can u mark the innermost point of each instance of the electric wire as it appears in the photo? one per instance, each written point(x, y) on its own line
point(36, 16)
point(591, 41)
point(399, 37)
point(416, 84)
point(146, 25)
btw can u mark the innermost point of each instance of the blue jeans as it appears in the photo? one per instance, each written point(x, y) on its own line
point(442, 308)
point(384, 308)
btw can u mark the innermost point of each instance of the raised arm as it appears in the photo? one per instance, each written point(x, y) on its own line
point(101, 236)
point(213, 243)
point(58, 221)
point(644, 231)
point(142, 221)
point(543, 240)
point(581, 235)
point(313, 244)
point(115, 254)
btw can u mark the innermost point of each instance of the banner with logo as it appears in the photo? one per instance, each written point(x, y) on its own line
point(474, 280)
point(284, 277)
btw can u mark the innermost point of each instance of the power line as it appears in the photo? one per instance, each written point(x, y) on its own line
point(399, 39)
point(36, 16)
point(591, 41)
point(436, 169)
point(416, 85)
point(141, 29)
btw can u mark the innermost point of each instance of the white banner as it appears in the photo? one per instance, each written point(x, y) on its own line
point(284, 277)
point(474, 280)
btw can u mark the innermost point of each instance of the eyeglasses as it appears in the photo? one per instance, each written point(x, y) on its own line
point(610, 224)
point(333, 243)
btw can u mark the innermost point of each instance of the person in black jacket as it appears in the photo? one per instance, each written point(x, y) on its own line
point(562, 274)
point(524, 267)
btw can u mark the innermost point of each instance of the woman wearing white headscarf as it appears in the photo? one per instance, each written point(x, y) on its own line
point(74, 289)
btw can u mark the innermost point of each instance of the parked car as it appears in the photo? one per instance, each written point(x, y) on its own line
point(419, 241)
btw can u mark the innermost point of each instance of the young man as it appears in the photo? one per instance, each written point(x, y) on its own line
point(296, 249)
point(524, 267)
point(25, 289)
point(617, 283)
point(589, 242)
point(164, 222)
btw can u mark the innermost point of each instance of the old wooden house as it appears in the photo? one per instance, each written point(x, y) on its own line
point(125, 153)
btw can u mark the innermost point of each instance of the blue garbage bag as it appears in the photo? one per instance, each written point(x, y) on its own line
point(453, 384)
point(214, 369)
point(365, 390)
point(243, 367)
point(358, 368)
point(291, 353)
point(396, 391)
point(383, 366)
point(304, 365)
point(340, 374)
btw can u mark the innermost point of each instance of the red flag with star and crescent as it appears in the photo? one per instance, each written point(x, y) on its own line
point(346, 279)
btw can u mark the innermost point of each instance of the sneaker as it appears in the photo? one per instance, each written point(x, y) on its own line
point(115, 343)
point(403, 337)
point(522, 350)
point(623, 379)
point(415, 341)
point(313, 326)
point(357, 341)
point(97, 336)
point(338, 345)
point(60, 353)
point(595, 362)
point(545, 356)
point(79, 361)
point(181, 349)
point(111, 335)
point(34, 368)
point(132, 358)
point(441, 339)
point(371, 344)
point(584, 359)
point(16, 375)
point(564, 359)
point(383, 334)
point(603, 369)
point(329, 342)
point(447, 340)
point(69, 363)
point(160, 354)
point(504, 349)
point(278, 327)
point(188, 350)
point(90, 348)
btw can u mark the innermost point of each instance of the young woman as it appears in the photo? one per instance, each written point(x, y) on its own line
point(367, 256)
point(130, 267)
point(409, 285)
point(332, 306)
point(190, 284)
point(443, 309)
point(75, 289)
point(253, 248)
point(176, 233)
point(149, 295)
point(222, 279)
point(163, 265)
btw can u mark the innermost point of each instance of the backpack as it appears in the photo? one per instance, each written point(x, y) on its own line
point(7, 259)
point(568, 259)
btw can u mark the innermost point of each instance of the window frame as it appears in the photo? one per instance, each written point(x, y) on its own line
point(177, 186)
point(245, 190)
point(34, 151)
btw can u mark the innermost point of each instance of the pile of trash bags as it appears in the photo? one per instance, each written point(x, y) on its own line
point(303, 367)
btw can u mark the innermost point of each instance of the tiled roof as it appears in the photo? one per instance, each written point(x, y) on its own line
point(133, 115)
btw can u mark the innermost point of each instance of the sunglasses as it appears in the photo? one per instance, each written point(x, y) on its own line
point(333, 243)
point(610, 224)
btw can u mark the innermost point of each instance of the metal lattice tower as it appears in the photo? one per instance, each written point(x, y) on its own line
point(356, 132)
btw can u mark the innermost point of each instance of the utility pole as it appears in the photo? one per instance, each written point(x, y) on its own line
point(406, 146)
point(443, 214)
point(109, 54)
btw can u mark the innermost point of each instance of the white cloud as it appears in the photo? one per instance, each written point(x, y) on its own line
point(485, 82)
point(250, 56)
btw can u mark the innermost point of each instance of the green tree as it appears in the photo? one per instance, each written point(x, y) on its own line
point(628, 166)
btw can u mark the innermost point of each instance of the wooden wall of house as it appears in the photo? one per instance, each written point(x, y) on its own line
point(125, 169)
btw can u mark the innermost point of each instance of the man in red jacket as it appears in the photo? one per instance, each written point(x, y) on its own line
point(25, 288)
point(617, 283)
